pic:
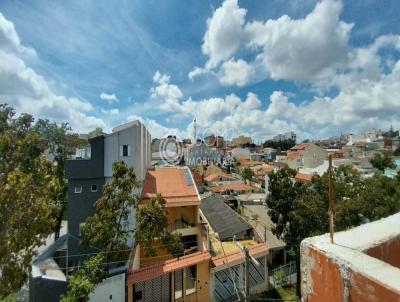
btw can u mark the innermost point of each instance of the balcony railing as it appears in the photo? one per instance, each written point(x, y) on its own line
point(181, 223)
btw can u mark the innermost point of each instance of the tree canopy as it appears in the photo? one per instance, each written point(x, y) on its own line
point(60, 143)
point(247, 174)
point(285, 144)
point(300, 210)
point(381, 162)
point(28, 194)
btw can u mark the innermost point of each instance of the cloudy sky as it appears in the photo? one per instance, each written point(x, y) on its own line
point(318, 68)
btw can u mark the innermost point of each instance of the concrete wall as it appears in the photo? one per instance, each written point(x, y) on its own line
point(138, 138)
point(111, 289)
point(388, 251)
point(361, 264)
point(46, 290)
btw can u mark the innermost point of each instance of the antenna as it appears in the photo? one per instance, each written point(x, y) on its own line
point(195, 129)
point(330, 196)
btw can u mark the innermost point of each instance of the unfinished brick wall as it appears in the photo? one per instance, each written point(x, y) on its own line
point(362, 265)
point(388, 251)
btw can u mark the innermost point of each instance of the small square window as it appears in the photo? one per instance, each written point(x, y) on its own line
point(93, 188)
point(78, 189)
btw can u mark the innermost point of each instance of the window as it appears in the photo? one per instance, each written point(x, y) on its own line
point(178, 280)
point(80, 228)
point(190, 278)
point(125, 150)
point(78, 189)
point(93, 188)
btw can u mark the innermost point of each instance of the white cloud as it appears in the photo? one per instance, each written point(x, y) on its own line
point(304, 49)
point(27, 91)
point(309, 49)
point(197, 71)
point(111, 98)
point(222, 37)
point(361, 104)
point(235, 72)
point(114, 111)
point(10, 41)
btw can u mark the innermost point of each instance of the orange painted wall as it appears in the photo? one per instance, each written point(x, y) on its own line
point(388, 251)
point(363, 289)
point(327, 282)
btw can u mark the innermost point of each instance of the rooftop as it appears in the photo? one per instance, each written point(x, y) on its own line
point(236, 187)
point(362, 264)
point(175, 184)
point(222, 219)
point(154, 271)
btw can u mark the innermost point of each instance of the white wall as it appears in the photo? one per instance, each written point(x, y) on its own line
point(111, 289)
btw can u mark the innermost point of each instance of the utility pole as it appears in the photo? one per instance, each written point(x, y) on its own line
point(246, 274)
point(330, 197)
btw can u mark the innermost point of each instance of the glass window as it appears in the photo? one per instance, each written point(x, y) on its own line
point(125, 150)
point(190, 278)
point(94, 188)
point(78, 189)
point(178, 284)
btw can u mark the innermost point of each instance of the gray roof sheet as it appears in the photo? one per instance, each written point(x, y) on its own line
point(223, 220)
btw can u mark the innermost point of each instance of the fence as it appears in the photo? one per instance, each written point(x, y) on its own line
point(284, 275)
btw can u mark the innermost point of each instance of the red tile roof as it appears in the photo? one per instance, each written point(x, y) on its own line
point(254, 250)
point(304, 177)
point(171, 183)
point(156, 270)
point(217, 176)
point(233, 187)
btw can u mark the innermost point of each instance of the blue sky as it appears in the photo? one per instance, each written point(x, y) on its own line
point(318, 68)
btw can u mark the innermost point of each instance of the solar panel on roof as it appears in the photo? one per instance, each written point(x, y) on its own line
point(188, 177)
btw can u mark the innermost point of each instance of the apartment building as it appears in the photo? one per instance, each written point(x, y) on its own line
point(164, 277)
point(306, 155)
point(86, 176)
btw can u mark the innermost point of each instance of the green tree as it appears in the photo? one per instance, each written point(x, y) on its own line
point(381, 162)
point(152, 224)
point(60, 143)
point(27, 197)
point(247, 174)
point(107, 231)
point(281, 145)
point(84, 281)
point(106, 228)
point(281, 202)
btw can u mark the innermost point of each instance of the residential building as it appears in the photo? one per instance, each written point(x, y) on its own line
point(129, 143)
point(306, 155)
point(285, 136)
point(270, 153)
point(214, 141)
point(200, 154)
point(164, 277)
point(240, 153)
point(362, 264)
point(226, 230)
point(241, 140)
point(234, 188)
point(220, 178)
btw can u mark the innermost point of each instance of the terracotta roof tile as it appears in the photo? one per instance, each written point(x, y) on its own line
point(216, 176)
point(233, 187)
point(154, 271)
point(304, 177)
point(172, 184)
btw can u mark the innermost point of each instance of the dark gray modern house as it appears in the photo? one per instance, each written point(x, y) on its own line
point(86, 175)
point(85, 182)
